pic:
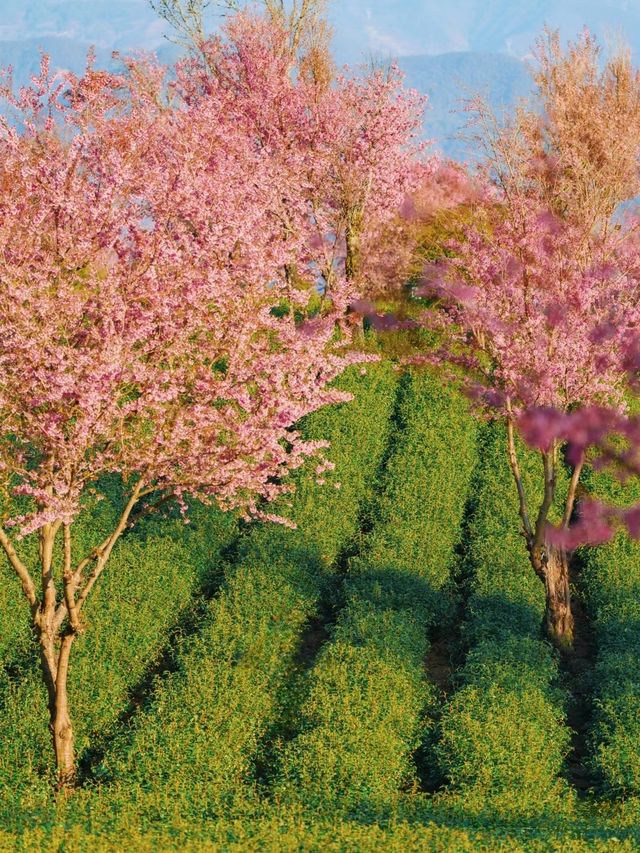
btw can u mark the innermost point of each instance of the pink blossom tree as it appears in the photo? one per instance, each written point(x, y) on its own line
point(366, 160)
point(345, 157)
point(610, 437)
point(542, 297)
point(534, 326)
point(141, 266)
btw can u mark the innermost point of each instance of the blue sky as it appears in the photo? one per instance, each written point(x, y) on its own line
point(362, 27)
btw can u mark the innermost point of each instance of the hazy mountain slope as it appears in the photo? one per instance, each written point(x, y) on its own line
point(399, 27)
point(24, 56)
point(451, 79)
point(66, 53)
point(389, 27)
point(108, 23)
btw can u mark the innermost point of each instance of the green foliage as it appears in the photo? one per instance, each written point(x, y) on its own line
point(15, 637)
point(611, 577)
point(503, 737)
point(191, 751)
point(180, 761)
point(416, 826)
point(367, 694)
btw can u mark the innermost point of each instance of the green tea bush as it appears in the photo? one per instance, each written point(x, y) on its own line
point(611, 577)
point(15, 636)
point(192, 749)
point(367, 694)
point(285, 830)
point(502, 736)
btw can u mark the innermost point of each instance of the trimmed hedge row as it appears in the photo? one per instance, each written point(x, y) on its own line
point(611, 579)
point(190, 753)
point(288, 831)
point(503, 737)
point(364, 713)
point(146, 589)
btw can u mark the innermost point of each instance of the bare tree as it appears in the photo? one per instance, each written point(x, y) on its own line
point(577, 149)
point(185, 17)
point(304, 21)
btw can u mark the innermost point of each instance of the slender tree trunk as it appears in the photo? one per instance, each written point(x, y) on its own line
point(552, 565)
point(61, 725)
point(558, 616)
point(55, 669)
point(353, 230)
point(290, 274)
point(49, 616)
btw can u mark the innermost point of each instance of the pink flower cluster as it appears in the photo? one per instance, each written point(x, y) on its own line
point(538, 318)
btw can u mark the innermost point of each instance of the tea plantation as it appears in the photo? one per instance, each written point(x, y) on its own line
point(376, 679)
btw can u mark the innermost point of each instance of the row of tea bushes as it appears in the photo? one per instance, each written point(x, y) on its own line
point(611, 579)
point(364, 714)
point(285, 830)
point(503, 737)
point(190, 754)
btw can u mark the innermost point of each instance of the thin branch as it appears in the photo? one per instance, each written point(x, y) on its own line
point(517, 476)
point(573, 489)
point(28, 586)
point(47, 541)
point(549, 495)
point(69, 584)
point(106, 552)
point(96, 552)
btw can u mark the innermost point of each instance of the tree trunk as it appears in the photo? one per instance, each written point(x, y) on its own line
point(558, 616)
point(553, 568)
point(354, 227)
point(63, 743)
point(55, 677)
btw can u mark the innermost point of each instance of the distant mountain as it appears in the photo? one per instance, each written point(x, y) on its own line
point(107, 23)
point(448, 50)
point(452, 78)
point(65, 52)
point(410, 27)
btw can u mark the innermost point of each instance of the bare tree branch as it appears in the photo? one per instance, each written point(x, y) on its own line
point(69, 583)
point(571, 496)
point(106, 551)
point(549, 495)
point(187, 19)
point(28, 587)
point(517, 476)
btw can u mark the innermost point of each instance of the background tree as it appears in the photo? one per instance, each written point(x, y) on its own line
point(547, 278)
point(344, 157)
point(366, 160)
point(527, 320)
point(575, 146)
point(308, 34)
